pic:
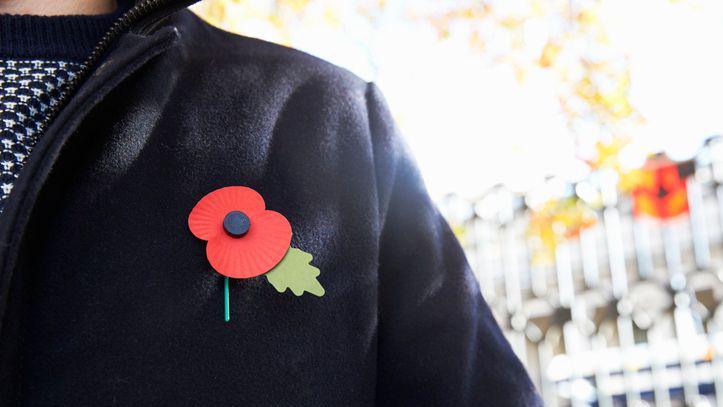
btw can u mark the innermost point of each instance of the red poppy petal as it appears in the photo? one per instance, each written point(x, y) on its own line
point(206, 218)
point(257, 252)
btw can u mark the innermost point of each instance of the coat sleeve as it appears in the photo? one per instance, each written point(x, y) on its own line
point(438, 343)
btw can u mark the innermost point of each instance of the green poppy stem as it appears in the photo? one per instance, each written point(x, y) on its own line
point(226, 302)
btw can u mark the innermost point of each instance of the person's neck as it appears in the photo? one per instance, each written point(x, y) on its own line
point(57, 7)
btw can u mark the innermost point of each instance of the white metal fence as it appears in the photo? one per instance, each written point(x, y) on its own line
point(627, 312)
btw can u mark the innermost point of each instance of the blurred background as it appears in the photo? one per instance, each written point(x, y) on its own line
point(573, 146)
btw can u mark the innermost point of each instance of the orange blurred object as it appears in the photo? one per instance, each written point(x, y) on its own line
point(660, 191)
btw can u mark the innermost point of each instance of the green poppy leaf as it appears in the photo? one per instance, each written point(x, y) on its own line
point(296, 272)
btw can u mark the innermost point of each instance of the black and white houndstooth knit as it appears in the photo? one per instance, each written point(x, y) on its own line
point(28, 89)
point(38, 56)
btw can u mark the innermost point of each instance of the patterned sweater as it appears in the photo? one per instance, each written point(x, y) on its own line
point(38, 55)
point(28, 88)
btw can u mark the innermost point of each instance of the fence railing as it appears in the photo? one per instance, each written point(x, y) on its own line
point(626, 310)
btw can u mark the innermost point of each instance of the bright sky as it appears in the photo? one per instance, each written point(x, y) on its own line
point(677, 69)
point(472, 125)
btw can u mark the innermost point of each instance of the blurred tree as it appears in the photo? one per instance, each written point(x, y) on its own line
point(554, 222)
point(279, 19)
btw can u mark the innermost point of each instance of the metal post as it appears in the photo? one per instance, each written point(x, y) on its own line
point(588, 253)
point(699, 230)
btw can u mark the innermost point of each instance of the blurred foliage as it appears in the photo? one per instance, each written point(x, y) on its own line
point(607, 154)
point(555, 222)
point(280, 18)
point(568, 39)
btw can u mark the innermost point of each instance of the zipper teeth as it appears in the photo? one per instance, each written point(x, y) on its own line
point(119, 26)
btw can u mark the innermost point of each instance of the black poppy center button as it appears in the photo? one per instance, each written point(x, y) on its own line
point(236, 223)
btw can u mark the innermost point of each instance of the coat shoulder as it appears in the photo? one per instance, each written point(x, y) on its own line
point(224, 51)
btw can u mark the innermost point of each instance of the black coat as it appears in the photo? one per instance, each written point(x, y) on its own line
point(108, 299)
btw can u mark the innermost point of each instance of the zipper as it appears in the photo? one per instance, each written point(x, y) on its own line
point(142, 9)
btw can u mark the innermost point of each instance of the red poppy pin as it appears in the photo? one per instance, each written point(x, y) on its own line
point(245, 240)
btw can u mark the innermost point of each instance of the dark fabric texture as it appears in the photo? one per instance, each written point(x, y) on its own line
point(65, 38)
point(108, 299)
point(28, 90)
